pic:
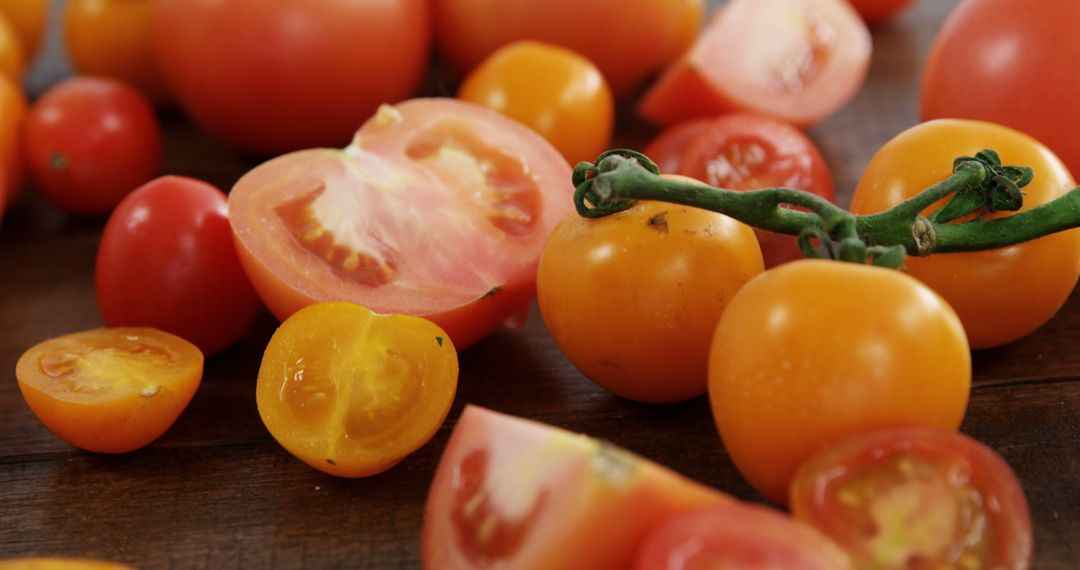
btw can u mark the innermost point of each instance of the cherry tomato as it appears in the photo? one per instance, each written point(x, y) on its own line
point(513, 493)
point(352, 393)
point(627, 39)
point(916, 497)
point(796, 60)
point(1001, 294)
point(12, 56)
point(667, 149)
point(439, 208)
point(551, 90)
point(1003, 61)
point(110, 390)
point(89, 141)
point(815, 350)
point(737, 535)
point(304, 74)
point(632, 299)
point(879, 11)
point(28, 18)
point(60, 564)
point(112, 38)
point(167, 260)
point(12, 115)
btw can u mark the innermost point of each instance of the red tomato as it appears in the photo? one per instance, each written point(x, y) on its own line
point(667, 149)
point(167, 260)
point(738, 535)
point(303, 74)
point(917, 497)
point(89, 141)
point(513, 493)
point(797, 60)
point(992, 60)
point(879, 11)
point(439, 208)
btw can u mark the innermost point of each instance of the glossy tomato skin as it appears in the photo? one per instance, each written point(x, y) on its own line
point(632, 299)
point(167, 260)
point(551, 90)
point(667, 148)
point(304, 74)
point(1002, 294)
point(12, 54)
point(89, 141)
point(513, 493)
point(815, 350)
point(986, 59)
point(932, 495)
point(60, 564)
point(13, 109)
point(28, 18)
point(111, 38)
point(880, 11)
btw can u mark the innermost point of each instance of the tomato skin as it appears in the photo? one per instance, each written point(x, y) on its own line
point(305, 74)
point(1002, 294)
point(1007, 45)
point(12, 56)
point(632, 299)
point(551, 90)
point(60, 564)
point(667, 148)
point(13, 109)
point(879, 11)
point(28, 18)
point(89, 141)
point(167, 260)
point(877, 469)
point(815, 350)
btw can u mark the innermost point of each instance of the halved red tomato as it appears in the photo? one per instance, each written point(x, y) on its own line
point(797, 60)
point(513, 493)
point(916, 497)
point(439, 208)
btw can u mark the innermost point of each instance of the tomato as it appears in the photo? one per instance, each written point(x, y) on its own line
point(12, 56)
point(815, 350)
point(879, 11)
point(110, 390)
point(551, 90)
point(12, 114)
point(112, 38)
point(439, 208)
point(911, 497)
point(89, 141)
point(1001, 294)
point(167, 260)
point(632, 299)
point(627, 39)
point(992, 60)
point(513, 493)
point(667, 149)
point(352, 393)
point(60, 564)
point(28, 18)
point(796, 60)
point(737, 535)
point(303, 74)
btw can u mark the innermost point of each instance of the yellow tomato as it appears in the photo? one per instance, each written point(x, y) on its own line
point(112, 38)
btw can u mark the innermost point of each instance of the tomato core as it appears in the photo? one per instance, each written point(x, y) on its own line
point(806, 55)
point(92, 368)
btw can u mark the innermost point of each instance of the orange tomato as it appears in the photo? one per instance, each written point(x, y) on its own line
point(351, 392)
point(1000, 294)
point(12, 56)
point(551, 90)
point(814, 351)
point(28, 18)
point(110, 390)
point(13, 108)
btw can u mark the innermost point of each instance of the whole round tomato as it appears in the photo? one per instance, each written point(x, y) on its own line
point(112, 38)
point(438, 209)
point(667, 148)
point(89, 141)
point(551, 90)
point(879, 11)
point(626, 39)
point(1000, 294)
point(1011, 63)
point(813, 351)
point(12, 116)
point(12, 56)
point(303, 74)
point(28, 18)
point(632, 299)
point(167, 260)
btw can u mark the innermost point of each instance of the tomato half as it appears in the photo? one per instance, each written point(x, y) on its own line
point(879, 11)
point(738, 536)
point(913, 497)
point(352, 393)
point(796, 60)
point(60, 564)
point(1001, 294)
point(439, 208)
point(815, 350)
point(513, 493)
point(110, 390)
point(28, 18)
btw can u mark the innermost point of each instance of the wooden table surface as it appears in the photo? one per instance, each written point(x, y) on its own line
point(217, 492)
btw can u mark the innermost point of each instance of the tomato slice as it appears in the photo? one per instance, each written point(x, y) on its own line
point(916, 498)
point(513, 493)
point(797, 60)
point(439, 208)
point(352, 393)
point(110, 390)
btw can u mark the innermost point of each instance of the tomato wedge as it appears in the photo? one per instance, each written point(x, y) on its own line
point(110, 390)
point(439, 208)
